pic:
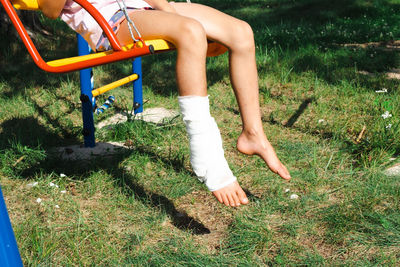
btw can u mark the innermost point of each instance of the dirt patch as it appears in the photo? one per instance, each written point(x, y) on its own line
point(316, 243)
point(393, 74)
point(393, 45)
point(17, 199)
point(203, 207)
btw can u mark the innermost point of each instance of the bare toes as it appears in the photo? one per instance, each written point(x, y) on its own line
point(219, 197)
point(243, 198)
point(236, 201)
point(283, 172)
point(225, 199)
point(230, 200)
point(231, 195)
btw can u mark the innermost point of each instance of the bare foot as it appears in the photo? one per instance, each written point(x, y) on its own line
point(258, 144)
point(231, 195)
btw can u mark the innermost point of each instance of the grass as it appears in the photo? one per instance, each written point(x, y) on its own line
point(322, 65)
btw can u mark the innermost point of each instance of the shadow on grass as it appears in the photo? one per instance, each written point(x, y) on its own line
point(29, 132)
point(21, 162)
point(17, 69)
point(343, 65)
point(291, 121)
point(180, 219)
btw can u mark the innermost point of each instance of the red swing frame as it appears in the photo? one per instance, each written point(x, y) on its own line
point(80, 62)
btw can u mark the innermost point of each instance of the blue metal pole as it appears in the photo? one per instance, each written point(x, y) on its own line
point(9, 254)
point(137, 86)
point(86, 96)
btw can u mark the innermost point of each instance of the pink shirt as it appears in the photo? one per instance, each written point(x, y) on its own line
point(80, 21)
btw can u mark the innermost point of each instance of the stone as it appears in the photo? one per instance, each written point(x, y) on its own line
point(393, 171)
point(79, 152)
point(153, 115)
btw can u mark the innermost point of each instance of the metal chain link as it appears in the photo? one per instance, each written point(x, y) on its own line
point(130, 22)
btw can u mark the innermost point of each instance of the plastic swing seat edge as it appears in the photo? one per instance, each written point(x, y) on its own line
point(77, 59)
point(158, 45)
point(25, 4)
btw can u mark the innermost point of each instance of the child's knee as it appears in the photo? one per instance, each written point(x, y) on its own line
point(193, 36)
point(243, 37)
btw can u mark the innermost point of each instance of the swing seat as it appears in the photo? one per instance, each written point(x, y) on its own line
point(81, 62)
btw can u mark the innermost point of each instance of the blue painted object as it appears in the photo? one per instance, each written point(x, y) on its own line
point(137, 86)
point(86, 96)
point(110, 100)
point(9, 254)
point(88, 101)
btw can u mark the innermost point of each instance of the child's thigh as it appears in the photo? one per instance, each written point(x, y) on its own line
point(219, 26)
point(154, 24)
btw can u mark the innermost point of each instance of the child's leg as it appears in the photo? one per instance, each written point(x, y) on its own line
point(186, 34)
point(238, 37)
point(189, 37)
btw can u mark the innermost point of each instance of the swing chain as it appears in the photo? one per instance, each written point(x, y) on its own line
point(130, 22)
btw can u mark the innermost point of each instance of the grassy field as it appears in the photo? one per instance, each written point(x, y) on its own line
point(325, 83)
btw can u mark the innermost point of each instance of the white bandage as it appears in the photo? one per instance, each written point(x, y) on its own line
point(206, 151)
